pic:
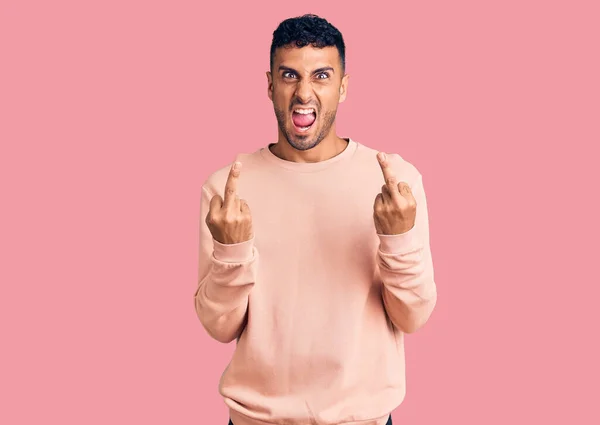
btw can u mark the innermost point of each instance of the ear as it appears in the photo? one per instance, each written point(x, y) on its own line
point(344, 88)
point(270, 85)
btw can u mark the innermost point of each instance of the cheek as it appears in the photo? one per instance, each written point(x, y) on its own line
point(329, 97)
point(282, 101)
point(281, 91)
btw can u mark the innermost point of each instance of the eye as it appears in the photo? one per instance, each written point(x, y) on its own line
point(286, 73)
point(322, 73)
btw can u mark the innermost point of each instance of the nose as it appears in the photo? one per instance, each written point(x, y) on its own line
point(304, 90)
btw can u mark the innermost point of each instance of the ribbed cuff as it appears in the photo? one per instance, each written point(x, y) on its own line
point(401, 243)
point(233, 253)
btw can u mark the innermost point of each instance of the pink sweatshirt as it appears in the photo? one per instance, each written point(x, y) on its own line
point(318, 301)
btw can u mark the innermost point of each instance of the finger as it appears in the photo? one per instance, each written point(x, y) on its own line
point(231, 184)
point(378, 202)
point(244, 206)
point(390, 179)
point(387, 197)
point(405, 191)
point(216, 202)
point(215, 205)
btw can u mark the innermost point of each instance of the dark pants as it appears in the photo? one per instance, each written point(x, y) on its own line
point(389, 422)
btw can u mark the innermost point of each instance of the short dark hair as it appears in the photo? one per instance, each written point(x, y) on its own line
point(308, 29)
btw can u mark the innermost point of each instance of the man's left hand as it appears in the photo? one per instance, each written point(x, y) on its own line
point(395, 207)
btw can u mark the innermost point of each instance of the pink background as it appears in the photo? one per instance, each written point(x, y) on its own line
point(114, 112)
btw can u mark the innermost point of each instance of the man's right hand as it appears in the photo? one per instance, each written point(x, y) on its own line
point(229, 220)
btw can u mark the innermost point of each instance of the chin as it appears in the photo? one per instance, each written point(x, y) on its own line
point(302, 143)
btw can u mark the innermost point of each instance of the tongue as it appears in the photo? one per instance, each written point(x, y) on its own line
point(303, 120)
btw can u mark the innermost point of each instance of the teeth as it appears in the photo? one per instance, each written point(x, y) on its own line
point(304, 111)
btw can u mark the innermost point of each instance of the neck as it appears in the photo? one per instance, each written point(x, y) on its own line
point(330, 146)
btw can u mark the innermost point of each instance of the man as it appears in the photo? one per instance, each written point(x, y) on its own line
point(314, 255)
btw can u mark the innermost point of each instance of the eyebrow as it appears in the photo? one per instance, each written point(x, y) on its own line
point(316, 71)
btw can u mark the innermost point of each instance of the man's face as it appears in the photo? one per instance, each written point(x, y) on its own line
point(304, 79)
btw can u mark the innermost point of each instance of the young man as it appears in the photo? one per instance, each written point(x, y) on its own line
point(314, 255)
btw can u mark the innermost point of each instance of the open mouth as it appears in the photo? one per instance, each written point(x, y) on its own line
point(303, 119)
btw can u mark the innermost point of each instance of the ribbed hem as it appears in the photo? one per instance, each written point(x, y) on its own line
point(240, 419)
point(233, 253)
point(400, 244)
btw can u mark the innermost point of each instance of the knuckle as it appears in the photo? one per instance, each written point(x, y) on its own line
point(212, 220)
point(228, 218)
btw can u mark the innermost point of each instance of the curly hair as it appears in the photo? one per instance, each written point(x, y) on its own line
point(308, 29)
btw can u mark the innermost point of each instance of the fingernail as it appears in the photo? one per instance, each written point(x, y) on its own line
point(236, 165)
point(382, 156)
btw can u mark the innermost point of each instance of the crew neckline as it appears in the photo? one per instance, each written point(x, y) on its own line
point(309, 166)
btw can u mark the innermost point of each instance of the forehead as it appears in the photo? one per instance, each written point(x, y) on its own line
point(306, 58)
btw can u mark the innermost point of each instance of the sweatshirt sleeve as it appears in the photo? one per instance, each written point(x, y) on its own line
point(226, 275)
point(406, 270)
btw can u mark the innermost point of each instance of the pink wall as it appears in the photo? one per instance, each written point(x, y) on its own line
point(113, 113)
